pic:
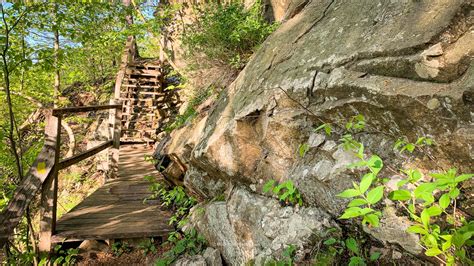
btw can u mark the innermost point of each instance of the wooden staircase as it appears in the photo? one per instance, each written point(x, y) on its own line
point(141, 95)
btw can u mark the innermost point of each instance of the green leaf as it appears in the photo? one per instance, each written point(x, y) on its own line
point(372, 219)
point(349, 193)
point(431, 241)
point(425, 192)
point(375, 195)
point(464, 177)
point(366, 182)
point(356, 261)
point(425, 218)
point(444, 201)
point(415, 175)
point(351, 244)
point(433, 252)
point(329, 241)
point(400, 194)
point(409, 147)
point(417, 229)
point(351, 213)
point(401, 183)
point(453, 194)
point(268, 186)
point(303, 149)
point(357, 202)
point(375, 256)
point(375, 164)
point(434, 211)
point(327, 129)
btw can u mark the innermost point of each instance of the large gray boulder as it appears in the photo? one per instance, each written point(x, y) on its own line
point(249, 225)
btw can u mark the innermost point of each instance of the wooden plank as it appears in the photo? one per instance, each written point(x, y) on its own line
point(116, 210)
point(117, 131)
point(32, 183)
point(138, 86)
point(81, 109)
point(84, 155)
point(136, 215)
point(49, 197)
point(104, 235)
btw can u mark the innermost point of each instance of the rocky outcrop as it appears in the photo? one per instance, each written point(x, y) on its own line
point(252, 227)
point(405, 65)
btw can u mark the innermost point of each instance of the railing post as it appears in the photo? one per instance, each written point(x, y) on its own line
point(49, 192)
point(115, 120)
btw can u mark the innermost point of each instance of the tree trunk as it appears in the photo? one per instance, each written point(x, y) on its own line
point(6, 77)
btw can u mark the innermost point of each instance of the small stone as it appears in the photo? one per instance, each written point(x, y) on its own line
point(253, 187)
point(196, 260)
point(396, 255)
point(212, 257)
point(433, 104)
point(315, 139)
point(92, 245)
point(329, 145)
point(322, 169)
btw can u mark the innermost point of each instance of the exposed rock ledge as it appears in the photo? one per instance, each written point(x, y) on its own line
point(405, 65)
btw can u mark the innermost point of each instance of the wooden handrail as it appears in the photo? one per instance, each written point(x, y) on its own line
point(82, 109)
point(84, 155)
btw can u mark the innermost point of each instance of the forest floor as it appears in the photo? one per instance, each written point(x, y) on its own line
point(132, 256)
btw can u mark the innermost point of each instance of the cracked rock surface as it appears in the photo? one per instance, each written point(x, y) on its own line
point(405, 65)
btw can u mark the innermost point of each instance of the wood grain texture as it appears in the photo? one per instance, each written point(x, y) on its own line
point(117, 209)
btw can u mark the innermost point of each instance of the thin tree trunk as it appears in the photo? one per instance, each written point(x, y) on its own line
point(6, 75)
point(57, 77)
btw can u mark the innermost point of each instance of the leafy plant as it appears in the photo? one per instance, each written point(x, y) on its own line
point(448, 242)
point(175, 198)
point(326, 127)
point(303, 149)
point(61, 256)
point(348, 143)
point(337, 247)
point(286, 192)
point(190, 243)
point(426, 204)
point(147, 246)
point(356, 123)
point(402, 145)
point(363, 197)
point(190, 112)
point(227, 33)
point(120, 247)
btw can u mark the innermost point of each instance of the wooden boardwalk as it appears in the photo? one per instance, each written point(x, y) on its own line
point(116, 210)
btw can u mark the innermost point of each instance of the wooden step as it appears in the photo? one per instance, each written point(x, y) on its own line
point(147, 65)
point(138, 130)
point(144, 73)
point(141, 86)
point(129, 114)
point(144, 93)
point(142, 79)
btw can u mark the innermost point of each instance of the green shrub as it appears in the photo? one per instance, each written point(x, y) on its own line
point(227, 33)
point(444, 232)
point(286, 192)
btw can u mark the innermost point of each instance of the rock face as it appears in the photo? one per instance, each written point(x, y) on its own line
point(249, 226)
point(405, 65)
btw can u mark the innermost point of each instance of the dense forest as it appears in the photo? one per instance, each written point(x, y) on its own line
point(254, 132)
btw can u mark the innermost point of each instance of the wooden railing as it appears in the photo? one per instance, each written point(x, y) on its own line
point(43, 174)
point(129, 55)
